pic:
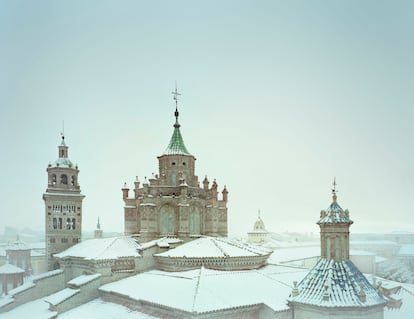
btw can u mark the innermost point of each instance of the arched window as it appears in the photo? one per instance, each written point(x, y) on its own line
point(73, 180)
point(53, 179)
point(60, 223)
point(54, 223)
point(63, 179)
point(73, 223)
point(167, 221)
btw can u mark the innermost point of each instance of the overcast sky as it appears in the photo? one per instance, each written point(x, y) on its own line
point(278, 97)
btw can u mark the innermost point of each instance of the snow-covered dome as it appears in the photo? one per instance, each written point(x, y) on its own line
point(63, 162)
point(334, 214)
point(213, 252)
point(259, 224)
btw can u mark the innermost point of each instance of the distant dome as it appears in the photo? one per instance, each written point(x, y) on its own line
point(259, 224)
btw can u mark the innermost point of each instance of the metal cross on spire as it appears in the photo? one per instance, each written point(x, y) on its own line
point(176, 95)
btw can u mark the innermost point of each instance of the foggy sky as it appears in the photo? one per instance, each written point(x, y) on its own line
point(277, 99)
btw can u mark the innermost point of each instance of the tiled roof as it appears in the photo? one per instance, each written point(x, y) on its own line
point(334, 214)
point(176, 146)
point(214, 247)
point(336, 284)
point(103, 248)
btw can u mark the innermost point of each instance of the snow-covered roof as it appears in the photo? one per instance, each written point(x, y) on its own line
point(334, 214)
point(203, 290)
point(83, 279)
point(17, 245)
point(284, 255)
point(99, 309)
point(103, 248)
point(164, 242)
point(60, 296)
point(336, 284)
point(37, 309)
point(10, 269)
point(406, 251)
point(215, 247)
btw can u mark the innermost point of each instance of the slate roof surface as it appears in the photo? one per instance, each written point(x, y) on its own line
point(334, 214)
point(336, 284)
point(176, 146)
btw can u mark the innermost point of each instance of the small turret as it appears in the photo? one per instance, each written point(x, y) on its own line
point(225, 194)
point(205, 183)
point(98, 230)
point(125, 191)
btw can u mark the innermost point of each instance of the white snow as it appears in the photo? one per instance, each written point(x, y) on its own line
point(103, 248)
point(61, 296)
point(406, 251)
point(83, 279)
point(10, 269)
point(284, 255)
point(37, 309)
point(214, 247)
point(203, 290)
point(99, 309)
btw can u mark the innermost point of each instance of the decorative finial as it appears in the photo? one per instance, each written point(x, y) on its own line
point(98, 225)
point(176, 114)
point(63, 131)
point(258, 213)
point(334, 190)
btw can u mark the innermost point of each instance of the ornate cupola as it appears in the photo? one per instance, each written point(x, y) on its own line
point(335, 287)
point(176, 162)
point(334, 224)
point(63, 205)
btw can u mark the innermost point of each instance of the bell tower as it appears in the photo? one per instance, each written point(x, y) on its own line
point(334, 223)
point(63, 206)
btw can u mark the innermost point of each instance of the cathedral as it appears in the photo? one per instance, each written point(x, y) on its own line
point(172, 203)
point(175, 260)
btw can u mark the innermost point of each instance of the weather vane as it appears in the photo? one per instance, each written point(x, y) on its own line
point(334, 191)
point(63, 130)
point(176, 95)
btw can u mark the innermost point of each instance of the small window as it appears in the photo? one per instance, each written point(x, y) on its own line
point(73, 181)
point(54, 223)
point(184, 164)
point(64, 240)
point(173, 163)
point(53, 179)
point(63, 179)
point(53, 240)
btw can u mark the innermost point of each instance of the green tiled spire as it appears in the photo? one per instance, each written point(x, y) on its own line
point(176, 146)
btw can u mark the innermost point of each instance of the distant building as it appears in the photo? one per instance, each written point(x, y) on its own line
point(18, 254)
point(172, 203)
point(259, 234)
point(98, 231)
point(10, 278)
point(63, 206)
